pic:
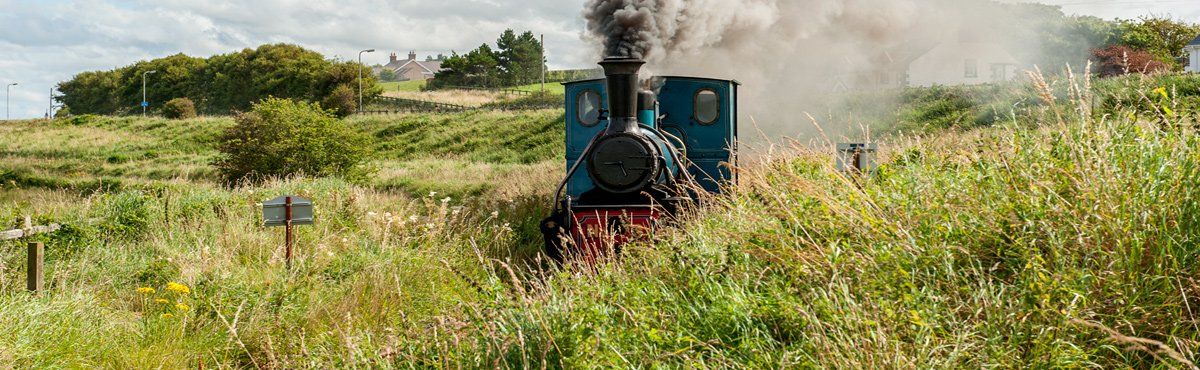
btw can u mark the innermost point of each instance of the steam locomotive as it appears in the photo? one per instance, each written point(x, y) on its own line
point(637, 152)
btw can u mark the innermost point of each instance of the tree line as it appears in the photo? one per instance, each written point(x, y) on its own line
point(221, 84)
point(516, 60)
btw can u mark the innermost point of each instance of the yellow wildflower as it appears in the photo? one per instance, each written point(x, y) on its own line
point(181, 307)
point(145, 290)
point(178, 288)
point(1162, 91)
point(167, 315)
point(161, 301)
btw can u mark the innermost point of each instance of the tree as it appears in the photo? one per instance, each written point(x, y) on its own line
point(1116, 60)
point(342, 102)
point(1163, 38)
point(281, 138)
point(519, 57)
point(388, 75)
point(219, 84)
point(516, 60)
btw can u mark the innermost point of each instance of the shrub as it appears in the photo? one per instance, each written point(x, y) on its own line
point(282, 138)
point(179, 108)
point(342, 101)
point(1118, 60)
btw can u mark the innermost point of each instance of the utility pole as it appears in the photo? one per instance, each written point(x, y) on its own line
point(542, 63)
point(145, 103)
point(7, 92)
point(50, 109)
point(360, 67)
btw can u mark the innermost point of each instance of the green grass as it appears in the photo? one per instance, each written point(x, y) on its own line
point(91, 152)
point(551, 87)
point(1007, 245)
point(414, 85)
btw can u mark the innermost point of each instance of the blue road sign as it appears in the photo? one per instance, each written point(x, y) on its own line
point(145, 104)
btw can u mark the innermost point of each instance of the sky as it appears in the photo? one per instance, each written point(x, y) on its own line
point(43, 42)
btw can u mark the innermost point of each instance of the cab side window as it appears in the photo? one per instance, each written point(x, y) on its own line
point(708, 107)
point(587, 107)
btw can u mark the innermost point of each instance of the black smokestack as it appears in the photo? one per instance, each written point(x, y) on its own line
point(622, 75)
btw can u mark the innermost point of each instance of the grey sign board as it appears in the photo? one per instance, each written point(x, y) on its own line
point(275, 211)
point(858, 157)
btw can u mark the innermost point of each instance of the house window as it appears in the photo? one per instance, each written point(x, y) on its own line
point(971, 68)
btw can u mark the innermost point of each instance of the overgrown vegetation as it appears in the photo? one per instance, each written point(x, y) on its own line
point(1061, 234)
point(284, 138)
point(220, 84)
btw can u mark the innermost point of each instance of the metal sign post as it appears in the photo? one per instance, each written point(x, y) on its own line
point(288, 211)
point(857, 157)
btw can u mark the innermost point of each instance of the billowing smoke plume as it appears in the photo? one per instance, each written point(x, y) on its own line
point(792, 55)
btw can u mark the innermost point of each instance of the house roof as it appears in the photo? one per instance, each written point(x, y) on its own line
point(1195, 42)
point(426, 66)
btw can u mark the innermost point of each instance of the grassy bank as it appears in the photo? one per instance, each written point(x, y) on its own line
point(1026, 242)
point(87, 153)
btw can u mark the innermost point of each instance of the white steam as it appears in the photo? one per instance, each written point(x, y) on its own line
point(791, 53)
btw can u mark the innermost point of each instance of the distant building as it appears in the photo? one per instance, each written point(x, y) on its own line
point(962, 64)
point(1193, 60)
point(947, 63)
point(412, 69)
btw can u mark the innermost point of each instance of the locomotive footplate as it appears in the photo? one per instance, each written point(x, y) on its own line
point(596, 232)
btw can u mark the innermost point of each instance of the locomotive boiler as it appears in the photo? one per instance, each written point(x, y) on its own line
point(638, 151)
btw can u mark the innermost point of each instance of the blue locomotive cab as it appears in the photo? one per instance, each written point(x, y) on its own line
point(696, 115)
point(702, 112)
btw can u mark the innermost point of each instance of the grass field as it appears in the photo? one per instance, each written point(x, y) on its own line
point(402, 86)
point(554, 88)
point(1063, 235)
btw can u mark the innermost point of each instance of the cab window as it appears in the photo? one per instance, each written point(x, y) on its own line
point(587, 108)
point(708, 106)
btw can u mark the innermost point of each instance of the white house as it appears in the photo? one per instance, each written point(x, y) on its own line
point(962, 63)
point(947, 63)
point(1193, 61)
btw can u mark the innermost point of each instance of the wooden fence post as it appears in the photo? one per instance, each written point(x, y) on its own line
point(34, 266)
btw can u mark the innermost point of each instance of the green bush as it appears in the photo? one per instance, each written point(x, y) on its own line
point(283, 138)
point(179, 108)
point(342, 101)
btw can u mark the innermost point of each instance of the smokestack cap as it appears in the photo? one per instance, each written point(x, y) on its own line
point(622, 65)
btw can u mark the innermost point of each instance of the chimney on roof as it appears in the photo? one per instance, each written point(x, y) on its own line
point(412, 55)
point(393, 57)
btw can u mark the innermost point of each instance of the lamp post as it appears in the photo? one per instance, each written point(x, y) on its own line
point(360, 65)
point(7, 92)
point(144, 102)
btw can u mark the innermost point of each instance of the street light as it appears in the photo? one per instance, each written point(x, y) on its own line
point(144, 102)
point(7, 92)
point(360, 93)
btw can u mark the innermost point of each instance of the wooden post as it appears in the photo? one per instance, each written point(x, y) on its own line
point(34, 266)
point(287, 215)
